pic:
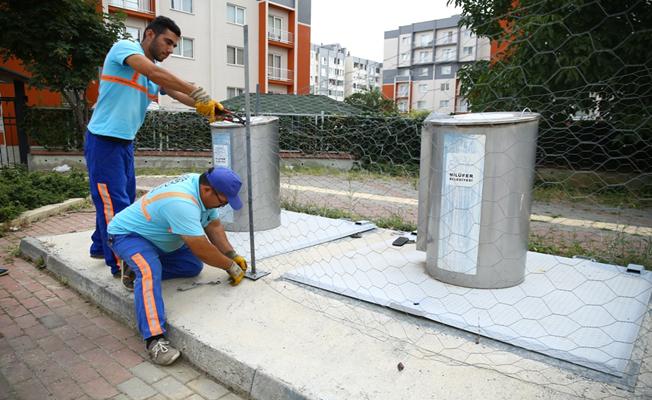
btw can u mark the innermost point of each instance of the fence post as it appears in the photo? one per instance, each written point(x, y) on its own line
point(19, 107)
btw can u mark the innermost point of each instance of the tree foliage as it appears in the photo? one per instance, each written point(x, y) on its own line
point(372, 101)
point(61, 43)
point(563, 58)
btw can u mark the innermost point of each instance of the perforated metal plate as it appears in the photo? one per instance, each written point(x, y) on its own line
point(297, 231)
point(576, 310)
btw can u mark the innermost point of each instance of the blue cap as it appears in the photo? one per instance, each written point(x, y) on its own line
point(228, 183)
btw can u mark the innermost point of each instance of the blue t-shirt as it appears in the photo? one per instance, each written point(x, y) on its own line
point(124, 94)
point(169, 210)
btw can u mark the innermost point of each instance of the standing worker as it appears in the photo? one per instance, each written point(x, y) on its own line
point(130, 80)
point(168, 233)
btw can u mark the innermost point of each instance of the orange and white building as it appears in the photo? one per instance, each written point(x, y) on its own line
point(210, 52)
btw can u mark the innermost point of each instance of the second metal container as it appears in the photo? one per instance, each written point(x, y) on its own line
point(475, 186)
point(230, 150)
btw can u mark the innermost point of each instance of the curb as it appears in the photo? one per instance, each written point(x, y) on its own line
point(44, 212)
point(248, 380)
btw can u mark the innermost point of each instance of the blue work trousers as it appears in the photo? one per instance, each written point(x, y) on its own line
point(112, 179)
point(152, 265)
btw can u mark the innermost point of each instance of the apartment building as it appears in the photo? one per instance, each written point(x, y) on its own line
point(361, 74)
point(211, 50)
point(337, 74)
point(421, 61)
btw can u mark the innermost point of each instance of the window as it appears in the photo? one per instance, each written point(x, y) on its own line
point(233, 91)
point(402, 106)
point(185, 48)
point(445, 87)
point(468, 34)
point(468, 50)
point(405, 57)
point(443, 103)
point(182, 5)
point(274, 66)
point(448, 54)
point(234, 55)
point(132, 32)
point(275, 27)
point(421, 104)
point(423, 88)
point(404, 72)
point(424, 56)
point(403, 90)
point(445, 70)
point(405, 40)
point(235, 14)
point(423, 71)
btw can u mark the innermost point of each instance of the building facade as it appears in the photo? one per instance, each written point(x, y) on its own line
point(337, 74)
point(421, 63)
point(210, 51)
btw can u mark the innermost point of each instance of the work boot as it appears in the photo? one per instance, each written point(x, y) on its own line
point(161, 352)
point(128, 276)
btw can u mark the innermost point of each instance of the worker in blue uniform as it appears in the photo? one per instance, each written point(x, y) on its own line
point(170, 233)
point(130, 80)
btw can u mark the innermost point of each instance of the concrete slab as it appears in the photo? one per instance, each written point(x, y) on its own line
point(274, 339)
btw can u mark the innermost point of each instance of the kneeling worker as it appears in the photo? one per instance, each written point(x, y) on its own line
point(169, 233)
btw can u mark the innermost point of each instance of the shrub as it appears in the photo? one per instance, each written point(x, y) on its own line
point(21, 190)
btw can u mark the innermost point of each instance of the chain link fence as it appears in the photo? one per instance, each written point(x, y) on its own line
point(580, 323)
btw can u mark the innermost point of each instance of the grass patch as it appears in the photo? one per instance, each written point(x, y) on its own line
point(619, 251)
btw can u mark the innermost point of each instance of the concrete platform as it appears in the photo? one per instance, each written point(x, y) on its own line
point(275, 339)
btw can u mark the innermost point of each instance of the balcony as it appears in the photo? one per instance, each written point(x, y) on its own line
point(282, 37)
point(446, 40)
point(141, 6)
point(281, 75)
point(418, 44)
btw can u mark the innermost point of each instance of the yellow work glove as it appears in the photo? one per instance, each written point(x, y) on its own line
point(207, 107)
point(211, 109)
point(235, 274)
point(238, 259)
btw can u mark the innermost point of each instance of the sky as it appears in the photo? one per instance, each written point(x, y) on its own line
point(359, 25)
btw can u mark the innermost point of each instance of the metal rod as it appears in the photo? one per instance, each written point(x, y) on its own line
point(257, 99)
point(250, 202)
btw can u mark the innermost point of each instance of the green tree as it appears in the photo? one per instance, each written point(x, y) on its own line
point(562, 57)
point(372, 101)
point(61, 43)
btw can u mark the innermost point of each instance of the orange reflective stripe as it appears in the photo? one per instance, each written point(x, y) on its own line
point(127, 82)
point(145, 201)
point(147, 286)
point(135, 76)
point(108, 206)
point(106, 201)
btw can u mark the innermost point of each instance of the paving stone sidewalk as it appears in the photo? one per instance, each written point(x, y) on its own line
point(54, 344)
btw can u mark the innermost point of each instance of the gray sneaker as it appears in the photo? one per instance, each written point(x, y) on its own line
point(162, 353)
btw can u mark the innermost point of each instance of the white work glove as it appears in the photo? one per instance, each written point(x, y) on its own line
point(200, 95)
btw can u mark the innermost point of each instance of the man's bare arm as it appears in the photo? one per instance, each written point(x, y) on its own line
point(181, 97)
point(160, 76)
point(207, 252)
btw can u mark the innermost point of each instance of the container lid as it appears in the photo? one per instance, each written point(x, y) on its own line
point(257, 120)
point(486, 118)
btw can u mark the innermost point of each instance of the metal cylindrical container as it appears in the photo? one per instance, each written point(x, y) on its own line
point(230, 150)
point(476, 178)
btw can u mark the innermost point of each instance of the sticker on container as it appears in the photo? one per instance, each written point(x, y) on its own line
point(461, 202)
point(222, 150)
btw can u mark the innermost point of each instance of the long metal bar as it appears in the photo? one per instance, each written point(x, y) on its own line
point(250, 202)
